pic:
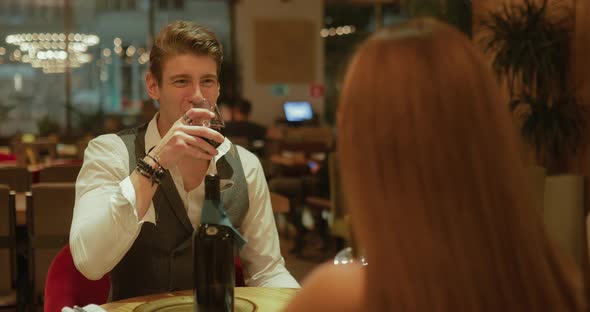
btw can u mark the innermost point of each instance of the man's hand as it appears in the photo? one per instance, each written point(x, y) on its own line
point(186, 139)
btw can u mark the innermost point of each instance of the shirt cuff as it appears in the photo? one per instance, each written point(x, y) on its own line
point(128, 192)
point(281, 279)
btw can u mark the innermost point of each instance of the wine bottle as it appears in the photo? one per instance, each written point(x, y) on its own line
point(214, 251)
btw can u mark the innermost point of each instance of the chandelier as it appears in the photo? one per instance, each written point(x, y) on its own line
point(53, 52)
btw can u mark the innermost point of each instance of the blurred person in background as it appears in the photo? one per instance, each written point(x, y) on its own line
point(140, 192)
point(438, 195)
point(226, 112)
point(242, 126)
point(315, 183)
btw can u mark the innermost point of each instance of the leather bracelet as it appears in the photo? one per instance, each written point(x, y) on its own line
point(154, 174)
point(156, 159)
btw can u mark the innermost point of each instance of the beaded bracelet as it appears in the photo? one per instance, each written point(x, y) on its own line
point(154, 174)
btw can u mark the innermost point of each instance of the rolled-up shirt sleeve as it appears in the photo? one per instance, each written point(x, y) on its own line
point(105, 222)
point(261, 256)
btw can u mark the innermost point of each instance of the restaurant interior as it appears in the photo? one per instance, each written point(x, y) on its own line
point(74, 70)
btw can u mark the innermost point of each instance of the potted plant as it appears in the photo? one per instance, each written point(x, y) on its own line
point(530, 43)
point(532, 53)
point(89, 123)
point(47, 126)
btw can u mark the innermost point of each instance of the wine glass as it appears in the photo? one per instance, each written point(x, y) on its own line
point(353, 253)
point(216, 123)
point(347, 256)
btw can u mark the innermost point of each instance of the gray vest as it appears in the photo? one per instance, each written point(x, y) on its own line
point(160, 259)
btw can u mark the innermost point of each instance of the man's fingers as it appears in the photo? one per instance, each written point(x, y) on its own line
point(200, 144)
point(197, 153)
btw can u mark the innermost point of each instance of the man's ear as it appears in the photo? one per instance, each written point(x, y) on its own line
point(151, 84)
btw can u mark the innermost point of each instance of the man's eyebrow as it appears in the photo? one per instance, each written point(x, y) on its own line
point(179, 76)
point(209, 76)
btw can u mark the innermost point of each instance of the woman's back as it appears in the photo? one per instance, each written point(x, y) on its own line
point(333, 288)
point(435, 185)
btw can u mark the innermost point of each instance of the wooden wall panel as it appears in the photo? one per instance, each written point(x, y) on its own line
point(284, 51)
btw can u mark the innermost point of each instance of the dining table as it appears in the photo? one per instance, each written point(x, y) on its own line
point(260, 299)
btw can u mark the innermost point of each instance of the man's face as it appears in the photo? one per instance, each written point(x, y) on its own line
point(186, 79)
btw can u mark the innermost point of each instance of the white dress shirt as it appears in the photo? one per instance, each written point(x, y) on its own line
point(105, 222)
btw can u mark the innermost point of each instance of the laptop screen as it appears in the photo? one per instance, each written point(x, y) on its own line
point(298, 111)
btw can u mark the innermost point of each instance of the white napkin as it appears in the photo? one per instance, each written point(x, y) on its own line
point(88, 308)
point(222, 149)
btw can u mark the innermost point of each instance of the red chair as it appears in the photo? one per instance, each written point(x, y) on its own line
point(66, 286)
point(240, 282)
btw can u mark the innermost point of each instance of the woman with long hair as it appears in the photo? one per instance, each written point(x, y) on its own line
point(438, 194)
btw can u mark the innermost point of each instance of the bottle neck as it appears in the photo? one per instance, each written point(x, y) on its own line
point(212, 191)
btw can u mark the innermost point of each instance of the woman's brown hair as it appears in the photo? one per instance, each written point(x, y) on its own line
point(437, 190)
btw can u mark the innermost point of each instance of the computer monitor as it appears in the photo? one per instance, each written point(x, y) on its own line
point(298, 111)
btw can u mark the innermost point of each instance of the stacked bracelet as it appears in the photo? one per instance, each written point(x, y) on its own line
point(154, 174)
point(156, 159)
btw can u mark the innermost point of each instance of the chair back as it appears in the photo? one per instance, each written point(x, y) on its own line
point(309, 134)
point(62, 173)
point(17, 178)
point(280, 203)
point(66, 286)
point(7, 240)
point(240, 280)
point(308, 140)
point(50, 208)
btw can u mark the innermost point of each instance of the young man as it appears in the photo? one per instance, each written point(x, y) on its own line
point(140, 193)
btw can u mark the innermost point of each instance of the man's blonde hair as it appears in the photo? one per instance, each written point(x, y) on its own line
point(183, 37)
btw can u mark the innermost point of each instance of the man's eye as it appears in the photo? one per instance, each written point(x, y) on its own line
point(180, 82)
point(209, 82)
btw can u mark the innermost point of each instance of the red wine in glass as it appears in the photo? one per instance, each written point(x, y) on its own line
point(213, 143)
point(216, 123)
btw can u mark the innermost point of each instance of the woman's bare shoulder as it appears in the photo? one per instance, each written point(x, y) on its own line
point(331, 288)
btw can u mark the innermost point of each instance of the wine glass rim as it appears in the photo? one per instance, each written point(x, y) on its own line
point(202, 100)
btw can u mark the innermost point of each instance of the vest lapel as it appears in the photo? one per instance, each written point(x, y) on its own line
point(169, 189)
point(167, 186)
point(224, 169)
point(235, 199)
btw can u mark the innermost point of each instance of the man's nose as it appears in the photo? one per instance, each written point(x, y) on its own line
point(197, 95)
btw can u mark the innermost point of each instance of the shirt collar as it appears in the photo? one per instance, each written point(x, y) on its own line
point(152, 135)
